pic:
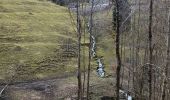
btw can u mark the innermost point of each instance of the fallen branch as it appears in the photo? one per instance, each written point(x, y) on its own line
point(3, 89)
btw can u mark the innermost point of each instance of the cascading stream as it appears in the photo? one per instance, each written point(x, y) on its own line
point(93, 46)
point(125, 94)
point(100, 68)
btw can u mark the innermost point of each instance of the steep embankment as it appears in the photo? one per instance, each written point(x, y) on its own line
point(32, 33)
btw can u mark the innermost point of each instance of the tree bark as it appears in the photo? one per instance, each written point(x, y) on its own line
point(118, 48)
point(84, 49)
point(79, 55)
point(150, 49)
point(167, 64)
point(90, 38)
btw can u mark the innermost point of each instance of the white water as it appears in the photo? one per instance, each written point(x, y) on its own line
point(127, 95)
point(100, 68)
point(93, 47)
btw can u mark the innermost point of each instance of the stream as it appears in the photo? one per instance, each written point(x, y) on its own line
point(125, 95)
point(100, 68)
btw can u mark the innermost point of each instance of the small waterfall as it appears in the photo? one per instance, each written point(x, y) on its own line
point(125, 94)
point(93, 46)
point(93, 52)
point(100, 68)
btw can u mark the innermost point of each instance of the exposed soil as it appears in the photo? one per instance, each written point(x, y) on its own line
point(64, 88)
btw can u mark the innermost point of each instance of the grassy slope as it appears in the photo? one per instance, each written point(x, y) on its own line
point(105, 38)
point(31, 31)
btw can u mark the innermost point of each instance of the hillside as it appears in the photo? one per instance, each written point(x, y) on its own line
point(32, 34)
point(95, 51)
point(38, 49)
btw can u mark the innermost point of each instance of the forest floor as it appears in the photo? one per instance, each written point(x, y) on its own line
point(64, 88)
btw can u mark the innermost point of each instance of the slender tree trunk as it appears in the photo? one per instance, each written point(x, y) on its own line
point(79, 55)
point(84, 57)
point(124, 48)
point(121, 56)
point(138, 38)
point(84, 69)
point(89, 67)
point(130, 49)
point(118, 48)
point(90, 38)
point(137, 52)
point(131, 56)
point(167, 64)
point(84, 61)
point(150, 49)
point(133, 52)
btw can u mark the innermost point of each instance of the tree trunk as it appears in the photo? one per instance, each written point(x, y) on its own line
point(90, 38)
point(84, 49)
point(133, 52)
point(167, 64)
point(79, 48)
point(150, 49)
point(117, 48)
point(121, 54)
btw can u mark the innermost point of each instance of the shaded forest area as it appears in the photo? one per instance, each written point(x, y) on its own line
point(142, 31)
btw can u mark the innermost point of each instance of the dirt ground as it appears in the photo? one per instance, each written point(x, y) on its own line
point(64, 88)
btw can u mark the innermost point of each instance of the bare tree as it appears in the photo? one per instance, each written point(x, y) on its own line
point(90, 38)
point(117, 2)
point(150, 49)
point(79, 50)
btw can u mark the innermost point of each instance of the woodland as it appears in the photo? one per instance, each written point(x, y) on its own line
point(84, 49)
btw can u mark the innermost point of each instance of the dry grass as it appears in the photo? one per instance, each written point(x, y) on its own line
point(31, 31)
